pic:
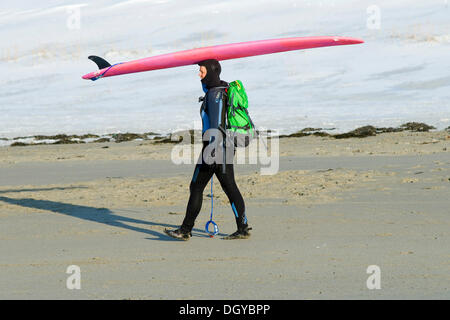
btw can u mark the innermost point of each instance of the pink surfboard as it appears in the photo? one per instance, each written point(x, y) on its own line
point(219, 52)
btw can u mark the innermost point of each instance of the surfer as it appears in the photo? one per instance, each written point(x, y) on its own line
point(212, 113)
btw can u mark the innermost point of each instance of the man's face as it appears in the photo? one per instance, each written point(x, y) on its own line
point(202, 72)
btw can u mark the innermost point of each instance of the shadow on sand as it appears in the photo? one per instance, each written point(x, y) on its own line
point(99, 215)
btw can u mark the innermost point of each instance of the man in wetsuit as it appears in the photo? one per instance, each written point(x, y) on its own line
point(215, 156)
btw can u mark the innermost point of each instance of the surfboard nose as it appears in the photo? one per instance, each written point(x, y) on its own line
point(358, 41)
point(350, 40)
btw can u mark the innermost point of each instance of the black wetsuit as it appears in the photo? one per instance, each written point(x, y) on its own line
point(213, 117)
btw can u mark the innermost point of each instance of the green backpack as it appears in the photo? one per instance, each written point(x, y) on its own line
point(239, 124)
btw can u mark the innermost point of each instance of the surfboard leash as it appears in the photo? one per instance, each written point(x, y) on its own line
point(216, 227)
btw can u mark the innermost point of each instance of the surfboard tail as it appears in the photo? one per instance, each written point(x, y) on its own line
point(102, 65)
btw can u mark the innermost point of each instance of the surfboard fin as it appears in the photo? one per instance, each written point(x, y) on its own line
point(100, 62)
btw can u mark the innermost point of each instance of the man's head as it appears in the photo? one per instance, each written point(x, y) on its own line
point(209, 72)
point(202, 72)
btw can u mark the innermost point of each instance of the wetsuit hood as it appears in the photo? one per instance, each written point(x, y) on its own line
point(212, 78)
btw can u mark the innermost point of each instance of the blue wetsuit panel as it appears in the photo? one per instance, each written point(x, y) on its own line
point(212, 112)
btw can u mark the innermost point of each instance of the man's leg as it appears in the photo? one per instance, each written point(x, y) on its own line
point(200, 179)
point(234, 195)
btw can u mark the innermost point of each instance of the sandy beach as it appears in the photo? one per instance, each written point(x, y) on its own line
point(336, 207)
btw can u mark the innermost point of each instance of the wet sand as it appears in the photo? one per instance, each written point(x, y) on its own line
point(334, 208)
